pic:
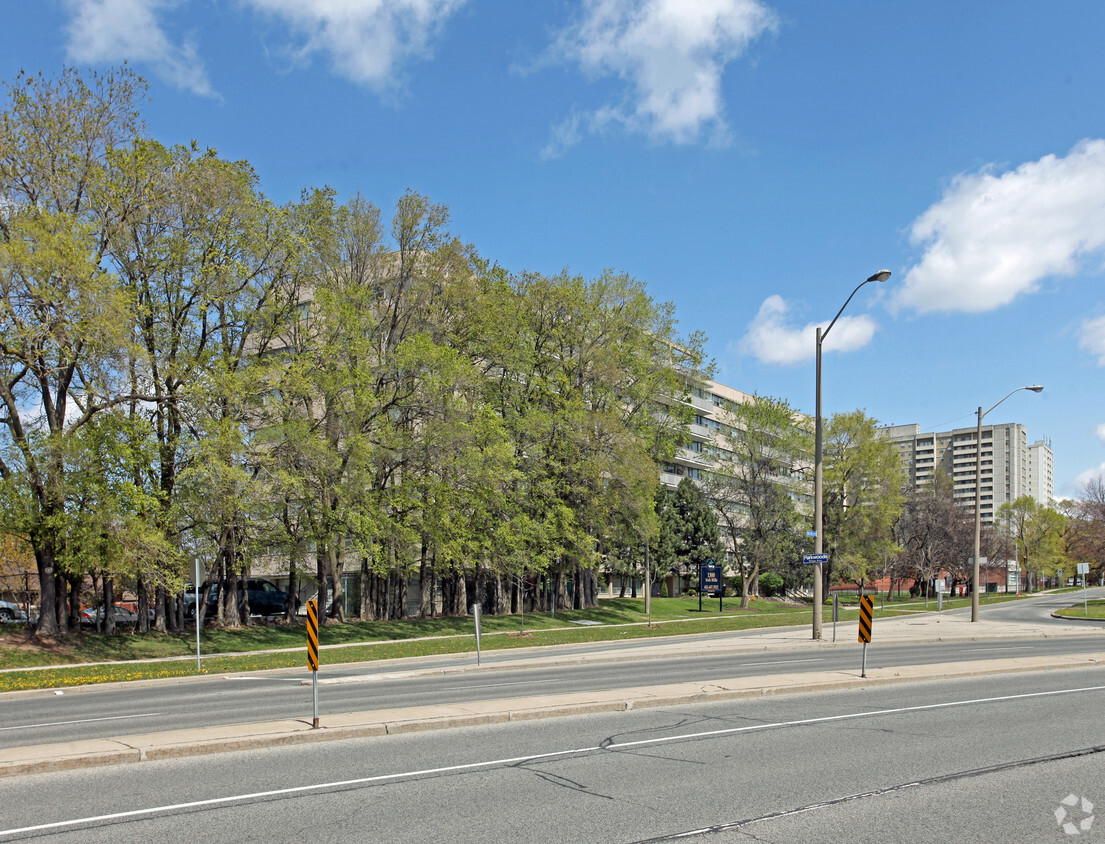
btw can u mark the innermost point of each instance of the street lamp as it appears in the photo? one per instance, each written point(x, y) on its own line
point(818, 591)
point(1036, 388)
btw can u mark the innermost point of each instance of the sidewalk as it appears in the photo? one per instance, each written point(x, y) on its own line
point(927, 628)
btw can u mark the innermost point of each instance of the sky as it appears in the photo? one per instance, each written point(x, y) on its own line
point(752, 161)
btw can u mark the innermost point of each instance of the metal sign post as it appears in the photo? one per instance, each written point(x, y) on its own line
point(198, 571)
point(476, 616)
point(312, 654)
point(866, 610)
point(1084, 571)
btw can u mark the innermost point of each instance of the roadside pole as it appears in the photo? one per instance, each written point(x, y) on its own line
point(198, 572)
point(1084, 572)
point(476, 617)
point(312, 654)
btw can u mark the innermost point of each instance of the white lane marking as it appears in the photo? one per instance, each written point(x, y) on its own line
point(518, 760)
point(517, 683)
point(784, 662)
point(81, 721)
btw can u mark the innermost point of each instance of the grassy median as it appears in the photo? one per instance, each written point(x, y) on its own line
point(1087, 609)
point(84, 658)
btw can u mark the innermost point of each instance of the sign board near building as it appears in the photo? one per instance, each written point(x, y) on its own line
point(709, 578)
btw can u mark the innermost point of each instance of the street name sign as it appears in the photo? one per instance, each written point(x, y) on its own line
point(814, 559)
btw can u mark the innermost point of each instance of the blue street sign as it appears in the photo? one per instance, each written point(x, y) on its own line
point(814, 559)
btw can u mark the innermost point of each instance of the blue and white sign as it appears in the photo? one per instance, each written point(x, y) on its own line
point(814, 559)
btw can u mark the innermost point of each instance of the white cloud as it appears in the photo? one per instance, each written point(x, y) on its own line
point(105, 31)
point(1089, 475)
point(994, 237)
point(672, 54)
point(1099, 432)
point(366, 40)
point(770, 340)
point(1093, 338)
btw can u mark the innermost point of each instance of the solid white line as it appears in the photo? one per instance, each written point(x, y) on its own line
point(519, 683)
point(472, 766)
point(82, 721)
point(784, 662)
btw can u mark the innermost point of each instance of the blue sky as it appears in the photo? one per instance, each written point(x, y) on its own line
point(750, 160)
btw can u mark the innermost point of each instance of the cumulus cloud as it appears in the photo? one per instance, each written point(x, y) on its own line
point(105, 31)
point(366, 40)
point(1099, 432)
point(771, 340)
point(1092, 338)
point(670, 53)
point(996, 236)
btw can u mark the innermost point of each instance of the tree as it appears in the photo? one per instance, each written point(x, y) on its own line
point(1036, 532)
point(751, 484)
point(64, 327)
point(862, 496)
point(933, 533)
point(692, 528)
point(1084, 537)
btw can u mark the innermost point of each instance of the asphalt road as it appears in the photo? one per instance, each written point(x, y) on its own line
point(980, 759)
point(96, 712)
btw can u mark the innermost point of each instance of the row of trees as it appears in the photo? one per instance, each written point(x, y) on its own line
point(192, 372)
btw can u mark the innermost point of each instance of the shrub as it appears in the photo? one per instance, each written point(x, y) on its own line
point(771, 584)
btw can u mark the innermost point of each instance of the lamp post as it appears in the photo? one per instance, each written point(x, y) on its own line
point(1036, 388)
point(818, 540)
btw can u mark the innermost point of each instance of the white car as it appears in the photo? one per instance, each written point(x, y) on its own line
point(10, 612)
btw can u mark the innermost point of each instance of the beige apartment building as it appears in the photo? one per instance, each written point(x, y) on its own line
point(1011, 467)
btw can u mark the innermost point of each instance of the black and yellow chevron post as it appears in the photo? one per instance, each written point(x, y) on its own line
point(312, 653)
point(866, 609)
point(312, 635)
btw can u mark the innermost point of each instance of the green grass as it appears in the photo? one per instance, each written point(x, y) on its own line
point(25, 665)
point(1088, 609)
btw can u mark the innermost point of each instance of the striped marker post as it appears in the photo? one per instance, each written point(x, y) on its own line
point(866, 609)
point(312, 653)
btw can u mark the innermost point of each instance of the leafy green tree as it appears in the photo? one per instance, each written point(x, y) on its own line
point(64, 321)
point(692, 526)
point(862, 496)
point(1037, 536)
point(753, 482)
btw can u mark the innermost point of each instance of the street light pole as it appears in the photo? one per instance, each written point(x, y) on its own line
point(818, 540)
point(975, 568)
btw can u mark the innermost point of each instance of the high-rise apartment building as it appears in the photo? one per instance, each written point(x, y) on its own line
point(1010, 466)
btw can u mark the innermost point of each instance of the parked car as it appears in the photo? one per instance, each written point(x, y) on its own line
point(10, 612)
point(265, 598)
point(95, 615)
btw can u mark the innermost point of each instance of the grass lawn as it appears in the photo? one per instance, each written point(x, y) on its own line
point(1088, 609)
point(86, 658)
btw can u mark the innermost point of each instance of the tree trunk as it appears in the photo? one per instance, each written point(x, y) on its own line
point(142, 625)
point(425, 583)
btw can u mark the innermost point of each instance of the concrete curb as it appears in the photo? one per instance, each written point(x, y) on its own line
point(200, 741)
